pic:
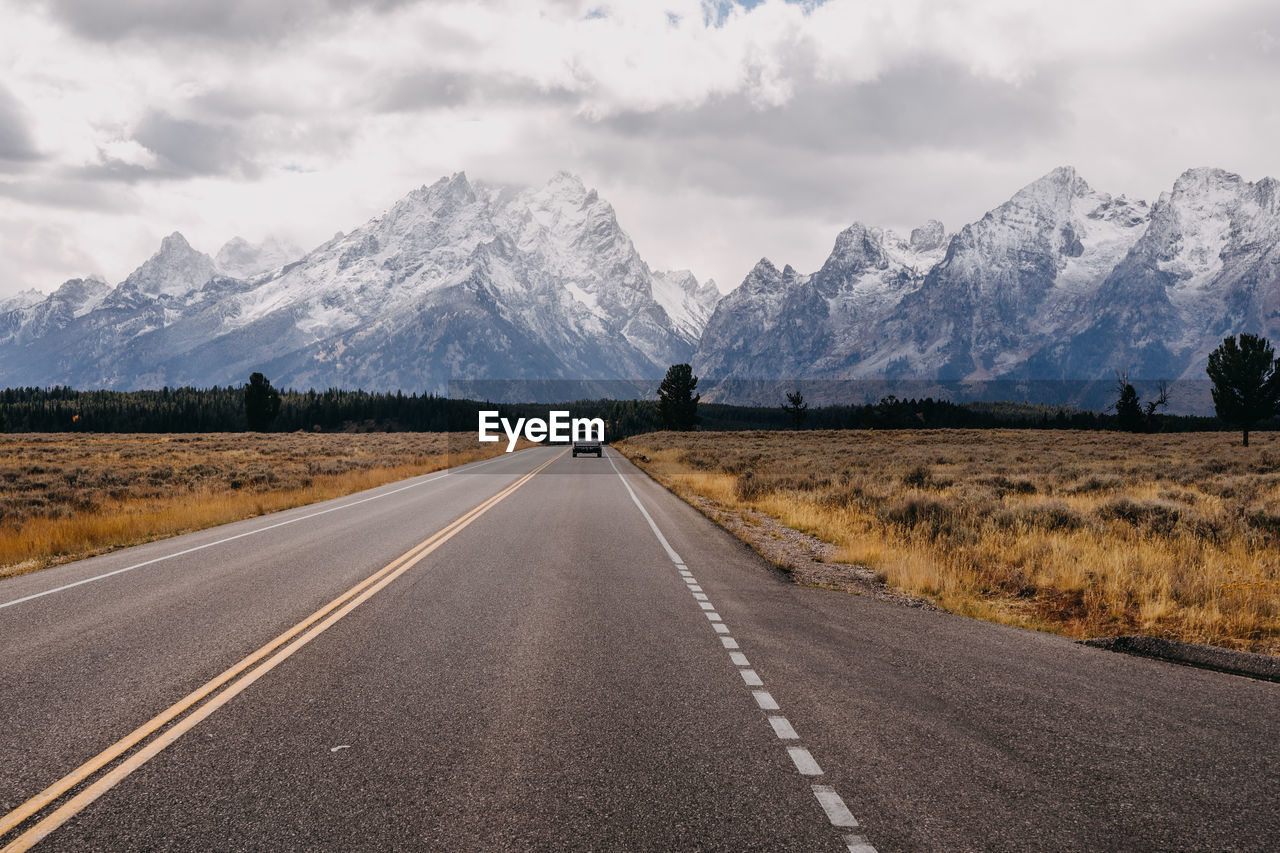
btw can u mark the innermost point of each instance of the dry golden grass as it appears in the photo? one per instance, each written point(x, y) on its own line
point(65, 496)
point(1084, 534)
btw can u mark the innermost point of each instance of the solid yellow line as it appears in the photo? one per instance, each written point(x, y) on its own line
point(345, 601)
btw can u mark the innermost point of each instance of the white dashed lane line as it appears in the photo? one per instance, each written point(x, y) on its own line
point(804, 761)
point(783, 728)
point(765, 700)
point(836, 811)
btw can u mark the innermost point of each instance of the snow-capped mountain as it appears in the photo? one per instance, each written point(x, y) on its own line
point(782, 324)
point(1207, 266)
point(461, 280)
point(687, 302)
point(458, 280)
point(1061, 282)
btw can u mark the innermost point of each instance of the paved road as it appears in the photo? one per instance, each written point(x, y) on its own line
point(555, 668)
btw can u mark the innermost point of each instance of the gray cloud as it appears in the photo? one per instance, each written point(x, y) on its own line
point(69, 192)
point(191, 148)
point(250, 20)
point(434, 89)
point(930, 104)
point(16, 145)
point(183, 149)
point(792, 157)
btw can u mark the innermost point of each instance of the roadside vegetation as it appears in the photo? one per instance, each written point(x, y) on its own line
point(64, 496)
point(1081, 533)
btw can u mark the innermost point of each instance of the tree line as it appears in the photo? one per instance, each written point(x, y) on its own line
point(227, 409)
point(1244, 371)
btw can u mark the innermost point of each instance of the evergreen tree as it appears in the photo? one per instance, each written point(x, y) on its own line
point(677, 404)
point(797, 408)
point(1246, 381)
point(1128, 408)
point(261, 403)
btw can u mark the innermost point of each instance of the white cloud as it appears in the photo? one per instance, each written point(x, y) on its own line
point(720, 132)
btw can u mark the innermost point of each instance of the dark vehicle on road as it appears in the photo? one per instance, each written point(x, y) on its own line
point(585, 447)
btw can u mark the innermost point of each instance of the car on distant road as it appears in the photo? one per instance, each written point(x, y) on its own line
point(585, 447)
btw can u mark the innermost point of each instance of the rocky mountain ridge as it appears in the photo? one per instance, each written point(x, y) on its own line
point(462, 280)
point(1061, 283)
point(458, 280)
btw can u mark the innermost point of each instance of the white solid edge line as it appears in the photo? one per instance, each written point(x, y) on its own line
point(765, 700)
point(837, 812)
point(671, 552)
point(783, 729)
point(105, 575)
point(804, 761)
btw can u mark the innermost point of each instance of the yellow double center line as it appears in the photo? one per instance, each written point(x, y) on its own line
point(223, 689)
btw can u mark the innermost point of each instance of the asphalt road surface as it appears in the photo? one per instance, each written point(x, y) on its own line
point(577, 660)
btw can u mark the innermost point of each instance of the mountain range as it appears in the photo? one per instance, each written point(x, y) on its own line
point(462, 280)
point(458, 280)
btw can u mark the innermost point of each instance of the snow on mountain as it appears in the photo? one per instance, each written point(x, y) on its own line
point(1061, 282)
point(687, 303)
point(174, 272)
point(1012, 280)
point(1207, 267)
point(32, 315)
point(462, 280)
point(21, 299)
point(783, 324)
point(457, 280)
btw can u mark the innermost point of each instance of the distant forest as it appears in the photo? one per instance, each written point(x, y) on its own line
point(223, 410)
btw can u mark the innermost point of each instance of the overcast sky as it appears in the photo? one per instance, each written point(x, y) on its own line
point(721, 132)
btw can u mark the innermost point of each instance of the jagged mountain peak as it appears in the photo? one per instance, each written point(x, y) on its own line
point(928, 237)
point(1202, 179)
point(81, 290)
point(174, 271)
point(175, 243)
point(857, 248)
point(1056, 190)
point(457, 279)
point(685, 300)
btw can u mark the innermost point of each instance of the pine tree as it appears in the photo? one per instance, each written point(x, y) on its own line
point(677, 404)
point(261, 403)
point(1128, 408)
point(1246, 381)
point(797, 408)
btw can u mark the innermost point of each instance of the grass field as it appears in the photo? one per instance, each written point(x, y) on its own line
point(65, 496)
point(1081, 533)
